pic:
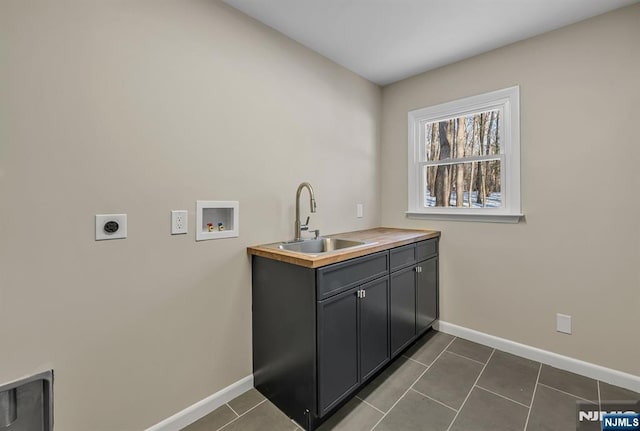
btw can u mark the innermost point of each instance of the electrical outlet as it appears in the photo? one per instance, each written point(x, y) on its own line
point(563, 323)
point(111, 226)
point(359, 210)
point(179, 222)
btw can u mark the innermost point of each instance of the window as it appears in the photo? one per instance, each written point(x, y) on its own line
point(464, 159)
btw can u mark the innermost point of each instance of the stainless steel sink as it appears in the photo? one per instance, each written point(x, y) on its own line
point(320, 245)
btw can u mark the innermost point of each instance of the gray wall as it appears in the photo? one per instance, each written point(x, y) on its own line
point(142, 107)
point(577, 252)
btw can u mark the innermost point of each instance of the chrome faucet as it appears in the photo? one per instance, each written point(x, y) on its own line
point(312, 203)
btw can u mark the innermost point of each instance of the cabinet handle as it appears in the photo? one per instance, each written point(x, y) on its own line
point(364, 293)
point(418, 269)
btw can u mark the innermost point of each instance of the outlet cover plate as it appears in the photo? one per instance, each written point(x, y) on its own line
point(112, 231)
point(179, 222)
point(563, 323)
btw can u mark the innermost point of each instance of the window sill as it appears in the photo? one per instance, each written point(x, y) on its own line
point(466, 216)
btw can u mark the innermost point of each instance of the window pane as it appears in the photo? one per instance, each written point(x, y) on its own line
point(478, 183)
point(468, 136)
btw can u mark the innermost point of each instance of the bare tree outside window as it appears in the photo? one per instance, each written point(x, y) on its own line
point(451, 181)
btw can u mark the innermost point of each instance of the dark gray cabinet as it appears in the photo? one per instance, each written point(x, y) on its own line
point(319, 334)
point(414, 292)
point(337, 348)
point(426, 294)
point(352, 340)
point(374, 327)
point(336, 278)
point(403, 308)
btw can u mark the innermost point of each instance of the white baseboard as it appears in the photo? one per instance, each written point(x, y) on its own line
point(608, 375)
point(614, 377)
point(204, 407)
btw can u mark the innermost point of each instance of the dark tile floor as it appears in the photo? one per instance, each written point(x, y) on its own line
point(442, 383)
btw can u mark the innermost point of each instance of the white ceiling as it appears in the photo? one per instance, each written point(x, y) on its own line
point(388, 40)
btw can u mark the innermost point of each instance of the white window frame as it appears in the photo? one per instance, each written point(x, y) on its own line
point(507, 101)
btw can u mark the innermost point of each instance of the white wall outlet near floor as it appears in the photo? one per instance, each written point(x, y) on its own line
point(179, 222)
point(111, 226)
point(563, 323)
point(359, 210)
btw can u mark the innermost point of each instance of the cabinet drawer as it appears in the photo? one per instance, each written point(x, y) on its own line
point(406, 255)
point(402, 256)
point(337, 278)
point(426, 249)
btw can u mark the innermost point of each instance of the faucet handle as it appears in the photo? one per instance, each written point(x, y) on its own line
point(305, 226)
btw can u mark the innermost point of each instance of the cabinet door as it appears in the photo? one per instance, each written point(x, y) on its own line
point(403, 308)
point(374, 327)
point(426, 294)
point(338, 372)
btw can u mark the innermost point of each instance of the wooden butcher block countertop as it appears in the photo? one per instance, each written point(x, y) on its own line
point(378, 239)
